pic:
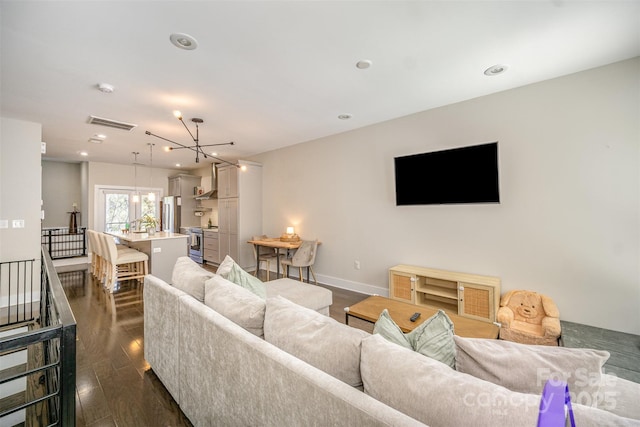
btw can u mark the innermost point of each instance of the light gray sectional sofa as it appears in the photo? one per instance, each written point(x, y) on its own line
point(273, 362)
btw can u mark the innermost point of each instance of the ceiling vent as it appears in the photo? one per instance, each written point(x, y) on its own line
point(111, 123)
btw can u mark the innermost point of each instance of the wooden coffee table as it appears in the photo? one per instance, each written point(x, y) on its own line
point(369, 310)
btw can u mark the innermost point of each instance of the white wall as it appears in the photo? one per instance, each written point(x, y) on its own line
point(61, 188)
point(568, 224)
point(20, 189)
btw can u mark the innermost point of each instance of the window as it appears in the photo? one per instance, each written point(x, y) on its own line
point(115, 207)
point(116, 211)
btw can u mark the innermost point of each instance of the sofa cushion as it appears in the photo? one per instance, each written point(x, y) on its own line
point(318, 340)
point(619, 396)
point(526, 368)
point(436, 395)
point(314, 297)
point(237, 304)
point(432, 338)
point(189, 277)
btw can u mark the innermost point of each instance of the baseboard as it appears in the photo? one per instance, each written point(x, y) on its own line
point(350, 285)
point(336, 282)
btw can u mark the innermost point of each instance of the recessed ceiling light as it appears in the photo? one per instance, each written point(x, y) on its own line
point(496, 69)
point(213, 153)
point(84, 153)
point(97, 138)
point(178, 165)
point(364, 64)
point(183, 41)
point(105, 87)
point(345, 116)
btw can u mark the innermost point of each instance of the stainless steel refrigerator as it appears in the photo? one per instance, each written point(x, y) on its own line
point(178, 212)
point(171, 213)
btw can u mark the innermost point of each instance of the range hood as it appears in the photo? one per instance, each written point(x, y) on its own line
point(213, 193)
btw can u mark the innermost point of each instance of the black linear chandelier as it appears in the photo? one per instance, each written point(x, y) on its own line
point(197, 147)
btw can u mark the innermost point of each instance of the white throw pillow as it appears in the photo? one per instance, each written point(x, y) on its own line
point(225, 266)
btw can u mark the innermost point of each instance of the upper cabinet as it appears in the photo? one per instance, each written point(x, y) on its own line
point(239, 211)
point(227, 182)
point(183, 185)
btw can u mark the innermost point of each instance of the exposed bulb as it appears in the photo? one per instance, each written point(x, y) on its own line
point(178, 114)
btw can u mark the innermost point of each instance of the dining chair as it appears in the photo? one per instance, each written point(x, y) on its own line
point(305, 256)
point(266, 255)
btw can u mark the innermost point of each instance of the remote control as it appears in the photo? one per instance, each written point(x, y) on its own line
point(414, 317)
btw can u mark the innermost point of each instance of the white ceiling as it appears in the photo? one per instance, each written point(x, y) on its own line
point(269, 74)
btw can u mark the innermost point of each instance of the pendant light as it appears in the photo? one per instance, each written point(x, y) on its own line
point(197, 148)
point(136, 196)
point(151, 195)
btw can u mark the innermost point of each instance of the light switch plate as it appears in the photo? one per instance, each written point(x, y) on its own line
point(18, 223)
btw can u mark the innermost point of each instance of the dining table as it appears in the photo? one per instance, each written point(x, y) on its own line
point(277, 244)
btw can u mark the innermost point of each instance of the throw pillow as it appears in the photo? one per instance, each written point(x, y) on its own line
point(189, 277)
point(315, 338)
point(240, 277)
point(433, 338)
point(225, 266)
point(526, 368)
point(237, 304)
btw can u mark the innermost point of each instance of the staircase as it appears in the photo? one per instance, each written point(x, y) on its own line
point(37, 347)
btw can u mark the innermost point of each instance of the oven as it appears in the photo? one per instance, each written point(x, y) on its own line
point(196, 244)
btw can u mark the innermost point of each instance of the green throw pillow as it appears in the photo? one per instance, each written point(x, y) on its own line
point(240, 277)
point(433, 338)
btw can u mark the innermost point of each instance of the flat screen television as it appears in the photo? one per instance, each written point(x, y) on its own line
point(459, 175)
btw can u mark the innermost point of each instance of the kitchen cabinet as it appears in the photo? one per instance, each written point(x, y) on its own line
point(183, 185)
point(239, 217)
point(211, 246)
point(228, 181)
point(469, 295)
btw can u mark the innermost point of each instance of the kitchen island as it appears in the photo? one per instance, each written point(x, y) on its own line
point(163, 249)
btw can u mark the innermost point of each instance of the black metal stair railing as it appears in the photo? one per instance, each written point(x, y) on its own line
point(21, 290)
point(54, 331)
point(63, 242)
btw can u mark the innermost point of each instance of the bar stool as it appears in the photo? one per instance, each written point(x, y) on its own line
point(124, 264)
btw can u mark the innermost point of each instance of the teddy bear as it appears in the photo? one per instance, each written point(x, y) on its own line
point(528, 317)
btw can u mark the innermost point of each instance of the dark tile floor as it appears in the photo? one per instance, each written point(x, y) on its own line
point(116, 387)
point(624, 348)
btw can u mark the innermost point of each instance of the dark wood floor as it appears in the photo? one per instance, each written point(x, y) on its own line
point(116, 387)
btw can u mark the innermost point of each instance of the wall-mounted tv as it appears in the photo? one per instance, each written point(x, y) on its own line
point(459, 175)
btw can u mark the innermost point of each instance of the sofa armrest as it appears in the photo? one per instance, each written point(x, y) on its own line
point(162, 331)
